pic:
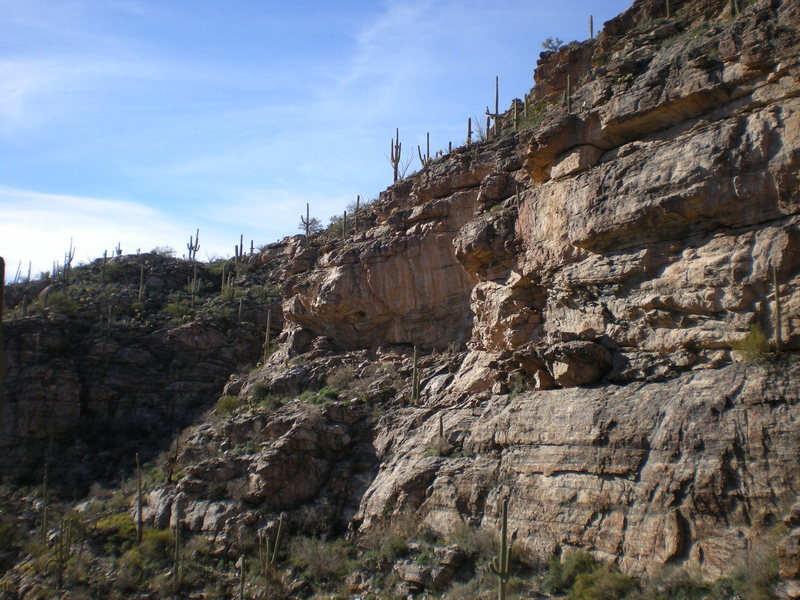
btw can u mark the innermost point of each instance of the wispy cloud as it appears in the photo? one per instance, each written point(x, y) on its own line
point(37, 227)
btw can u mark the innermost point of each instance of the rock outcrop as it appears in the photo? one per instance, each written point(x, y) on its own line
point(591, 301)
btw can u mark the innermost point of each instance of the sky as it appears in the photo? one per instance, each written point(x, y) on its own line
point(135, 122)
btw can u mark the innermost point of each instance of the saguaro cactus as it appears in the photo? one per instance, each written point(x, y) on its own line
point(500, 564)
point(307, 220)
point(266, 559)
point(496, 114)
point(266, 335)
point(426, 159)
point(777, 313)
point(242, 564)
point(45, 494)
point(193, 246)
point(394, 154)
point(141, 282)
point(415, 378)
point(139, 522)
point(568, 94)
point(177, 563)
point(63, 550)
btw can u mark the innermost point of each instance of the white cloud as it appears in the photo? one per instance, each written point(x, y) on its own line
point(37, 227)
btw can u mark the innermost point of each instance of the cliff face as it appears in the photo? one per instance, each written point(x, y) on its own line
point(625, 244)
point(96, 371)
point(629, 239)
point(575, 289)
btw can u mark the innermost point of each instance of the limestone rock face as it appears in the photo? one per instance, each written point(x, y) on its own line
point(81, 389)
point(579, 292)
point(649, 474)
point(642, 224)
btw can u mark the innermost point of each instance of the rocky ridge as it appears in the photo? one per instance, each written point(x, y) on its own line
point(577, 291)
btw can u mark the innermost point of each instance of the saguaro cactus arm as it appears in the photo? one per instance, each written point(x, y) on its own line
point(500, 564)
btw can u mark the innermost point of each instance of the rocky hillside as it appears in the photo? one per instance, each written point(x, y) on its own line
point(593, 313)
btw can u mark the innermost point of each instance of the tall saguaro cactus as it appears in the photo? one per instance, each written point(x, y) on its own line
point(194, 245)
point(777, 312)
point(394, 154)
point(307, 220)
point(496, 114)
point(266, 559)
point(139, 522)
point(426, 158)
point(415, 378)
point(62, 550)
point(568, 94)
point(500, 564)
point(177, 560)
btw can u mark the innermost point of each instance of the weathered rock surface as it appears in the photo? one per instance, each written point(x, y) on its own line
point(646, 221)
point(77, 385)
point(693, 469)
point(590, 278)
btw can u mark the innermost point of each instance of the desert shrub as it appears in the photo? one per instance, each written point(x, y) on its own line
point(116, 532)
point(754, 346)
point(165, 251)
point(481, 587)
point(259, 391)
point(387, 550)
point(130, 571)
point(320, 560)
point(341, 377)
point(178, 306)
point(671, 584)
point(8, 536)
point(61, 303)
point(755, 580)
point(271, 402)
point(321, 398)
point(479, 544)
point(562, 573)
point(605, 583)
point(227, 405)
point(156, 546)
point(263, 399)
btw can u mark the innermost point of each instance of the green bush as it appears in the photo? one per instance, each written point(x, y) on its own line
point(341, 377)
point(671, 584)
point(320, 560)
point(754, 581)
point(386, 552)
point(754, 346)
point(259, 391)
point(61, 303)
point(321, 398)
point(227, 405)
point(480, 544)
point(605, 583)
point(562, 573)
point(156, 546)
point(116, 532)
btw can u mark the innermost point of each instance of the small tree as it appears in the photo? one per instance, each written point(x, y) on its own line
point(309, 224)
point(552, 44)
point(314, 226)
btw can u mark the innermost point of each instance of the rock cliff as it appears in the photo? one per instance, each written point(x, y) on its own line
point(590, 295)
point(624, 244)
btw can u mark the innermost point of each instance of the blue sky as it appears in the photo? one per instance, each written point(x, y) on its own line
point(137, 121)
